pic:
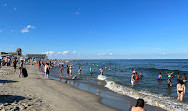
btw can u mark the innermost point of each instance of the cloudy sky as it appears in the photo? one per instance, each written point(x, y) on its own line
point(96, 29)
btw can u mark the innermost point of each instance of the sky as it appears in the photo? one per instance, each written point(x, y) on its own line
point(96, 29)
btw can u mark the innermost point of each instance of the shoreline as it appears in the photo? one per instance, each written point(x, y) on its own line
point(40, 94)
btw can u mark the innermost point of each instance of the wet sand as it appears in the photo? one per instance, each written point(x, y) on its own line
point(36, 93)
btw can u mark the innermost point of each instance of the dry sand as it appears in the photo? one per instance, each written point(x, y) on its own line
point(36, 93)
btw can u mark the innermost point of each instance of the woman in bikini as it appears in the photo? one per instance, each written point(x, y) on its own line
point(180, 90)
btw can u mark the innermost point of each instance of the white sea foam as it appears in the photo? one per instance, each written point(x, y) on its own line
point(101, 77)
point(167, 103)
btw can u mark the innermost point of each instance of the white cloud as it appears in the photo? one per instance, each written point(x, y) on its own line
point(74, 52)
point(27, 28)
point(4, 5)
point(0, 31)
point(100, 54)
point(65, 52)
point(164, 53)
point(58, 52)
point(14, 9)
point(49, 53)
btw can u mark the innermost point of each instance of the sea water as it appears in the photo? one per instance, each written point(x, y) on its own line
point(154, 92)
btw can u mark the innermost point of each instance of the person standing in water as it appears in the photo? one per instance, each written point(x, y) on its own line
point(141, 75)
point(61, 71)
point(101, 70)
point(79, 70)
point(178, 77)
point(47, 70)
point(184, 78)
point(160, 76)
point(67, 70)
point(180, 90)
point(137, 76)
point(133, 78)
point(90, 69)
point(70, 70)
point(139, 106)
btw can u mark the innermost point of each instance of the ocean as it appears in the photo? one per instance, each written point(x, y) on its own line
point(154, 92)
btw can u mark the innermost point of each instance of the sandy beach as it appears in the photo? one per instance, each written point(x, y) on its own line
point(36, 93)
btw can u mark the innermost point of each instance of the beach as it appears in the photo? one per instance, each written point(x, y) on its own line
point(36, 93)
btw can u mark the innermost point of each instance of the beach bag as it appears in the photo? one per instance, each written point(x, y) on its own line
point(24, 72)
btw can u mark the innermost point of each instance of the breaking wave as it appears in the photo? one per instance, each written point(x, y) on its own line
point(159, 100)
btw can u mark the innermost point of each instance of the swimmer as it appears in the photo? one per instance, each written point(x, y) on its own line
point(114, 69)
point(141, 75)
point(160, 76)
point(180, 90)
point(109, 69)
point(178, 77)
point(139, 106)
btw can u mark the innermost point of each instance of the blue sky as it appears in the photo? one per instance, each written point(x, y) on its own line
point(96, 29)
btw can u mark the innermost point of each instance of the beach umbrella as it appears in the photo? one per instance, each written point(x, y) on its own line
point(1, 57)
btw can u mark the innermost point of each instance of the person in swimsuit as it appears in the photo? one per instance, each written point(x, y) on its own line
point(133, 78)
point(180, 90)
point(79, 70)
point(70, 70)
point(101, 70)
point(160, 76)
point(61, 71)
point(141, 75)
point(178, 77)
point(90, 69)
point(139, 106)
point(67, 70)
point(21, 67)
point(39, 64)
point(184, 78)
point(47, 70)
point(137, 76)
point(14, 65)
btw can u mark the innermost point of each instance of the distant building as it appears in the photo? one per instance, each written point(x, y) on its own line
point(15, 54)
point(18, 54)
point(37, 56)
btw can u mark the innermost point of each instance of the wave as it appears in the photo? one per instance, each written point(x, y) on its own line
point(159, 100)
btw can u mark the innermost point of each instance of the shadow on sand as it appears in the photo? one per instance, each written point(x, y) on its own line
point(10, 98)
point(7, 81)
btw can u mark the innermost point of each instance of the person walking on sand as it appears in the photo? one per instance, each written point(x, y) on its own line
point(47, 70)
point(20, 68)
point(61, 71)
point(14, 65)
point(139, 106)
point(39, 64)
point(180, 90)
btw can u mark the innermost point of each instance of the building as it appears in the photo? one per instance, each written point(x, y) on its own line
point(12, 54)
point(37, 56)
